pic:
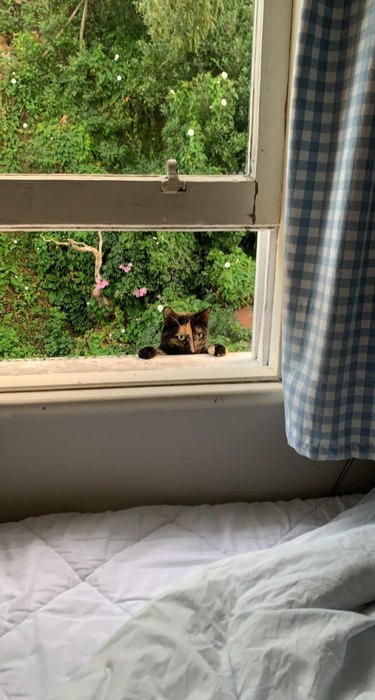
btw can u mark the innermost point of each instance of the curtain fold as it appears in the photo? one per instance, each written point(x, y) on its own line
point(329, 265)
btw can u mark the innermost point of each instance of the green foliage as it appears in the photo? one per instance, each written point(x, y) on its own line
point(232, 276)
point(58, 340)
point(200, 129)
point(225, 329)
point(8, 269)
point(151, 80)
point(107, 105)
point(182, 25)
point(56, 148)
point(11, 345)
point(160, 262)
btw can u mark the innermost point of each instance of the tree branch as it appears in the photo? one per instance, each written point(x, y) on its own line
point(83, 23)
point(62, 30)
point(99, 256)
point(82, 247)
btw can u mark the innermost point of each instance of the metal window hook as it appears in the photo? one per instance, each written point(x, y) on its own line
point(172, 183)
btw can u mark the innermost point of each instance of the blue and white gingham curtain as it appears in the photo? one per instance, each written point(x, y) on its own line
point(329, 294)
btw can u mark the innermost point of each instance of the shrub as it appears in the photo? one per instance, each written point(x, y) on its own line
point(59, 342)
point(232, 276)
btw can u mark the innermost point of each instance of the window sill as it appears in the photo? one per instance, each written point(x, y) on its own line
point(61, 374)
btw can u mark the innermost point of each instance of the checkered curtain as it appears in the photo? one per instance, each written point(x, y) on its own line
point(329, 295)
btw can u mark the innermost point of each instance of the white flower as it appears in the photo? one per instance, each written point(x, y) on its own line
point(117, 56)
point(122, 330)
point(160, 308)
point(15, 240)
point(224, 102)
point(190, 132)
point(172, 92)
point(87, 303)
point(227, 264)
point(224, 75)
point(110, 335)
point(13, 81)
point(26, 287)
point(25, 125)
point(155, 238)
point(119, 77)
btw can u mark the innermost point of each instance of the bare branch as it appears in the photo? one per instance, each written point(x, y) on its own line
point(82, 247)
point(99, 256)
point(62, 30)
point(83, 23)
point(52, 240)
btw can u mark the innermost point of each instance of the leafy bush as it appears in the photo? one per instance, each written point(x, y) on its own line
point(58, 341)
point(232, 276)
point(200, 129)
point(10, 345)
point(225, 329)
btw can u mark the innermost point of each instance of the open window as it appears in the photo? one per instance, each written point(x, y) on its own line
point(247, 201)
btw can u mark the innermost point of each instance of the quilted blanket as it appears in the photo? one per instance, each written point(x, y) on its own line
point(295, 622)
point(68, 582)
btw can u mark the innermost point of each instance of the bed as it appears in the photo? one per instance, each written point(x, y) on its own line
point(80, 594)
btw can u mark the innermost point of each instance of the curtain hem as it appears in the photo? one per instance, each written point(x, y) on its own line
point(320, 453)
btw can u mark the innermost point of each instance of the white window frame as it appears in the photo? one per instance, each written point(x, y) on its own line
point(230, 202)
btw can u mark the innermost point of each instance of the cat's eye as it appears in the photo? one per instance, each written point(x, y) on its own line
point(199, 335)
point(181, 336)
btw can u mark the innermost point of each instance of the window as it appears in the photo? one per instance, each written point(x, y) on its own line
point(178, 202)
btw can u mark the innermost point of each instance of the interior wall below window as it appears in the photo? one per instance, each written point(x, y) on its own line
point(117, 454)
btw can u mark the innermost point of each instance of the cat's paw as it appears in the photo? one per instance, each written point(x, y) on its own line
point(220, 350)
point(217, 350)
point(147, 353)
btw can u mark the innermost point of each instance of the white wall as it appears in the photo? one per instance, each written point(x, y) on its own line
point(118, 453)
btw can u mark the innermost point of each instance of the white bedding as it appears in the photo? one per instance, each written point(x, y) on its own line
point(68, 582)
point(294, 622)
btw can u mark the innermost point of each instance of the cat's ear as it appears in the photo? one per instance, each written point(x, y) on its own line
point(202, 316)
point(169, 314)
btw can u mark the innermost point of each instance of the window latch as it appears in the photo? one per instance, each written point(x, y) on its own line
point(172, 183)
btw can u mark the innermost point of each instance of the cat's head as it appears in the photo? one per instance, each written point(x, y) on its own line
point(185, 333)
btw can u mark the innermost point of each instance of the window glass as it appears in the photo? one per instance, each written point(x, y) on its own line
point(86, 293)
point(120, 86)
point(63, 294)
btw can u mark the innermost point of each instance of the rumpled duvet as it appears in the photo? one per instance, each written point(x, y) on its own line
point(294, 622)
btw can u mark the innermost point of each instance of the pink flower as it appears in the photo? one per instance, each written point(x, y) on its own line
point(140, 292)
point(101, 283)
point(126, 268)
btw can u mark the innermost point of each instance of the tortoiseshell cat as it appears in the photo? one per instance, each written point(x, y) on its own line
point(183, 334)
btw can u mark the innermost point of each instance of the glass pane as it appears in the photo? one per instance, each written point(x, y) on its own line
point(62, 294)
point(120, 86)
